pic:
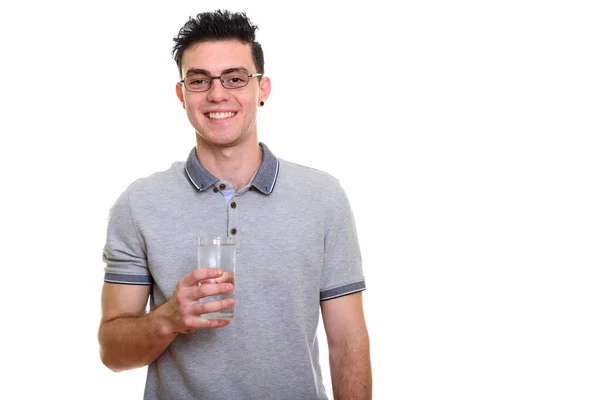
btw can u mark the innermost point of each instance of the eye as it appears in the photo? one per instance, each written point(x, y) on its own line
point(235, 79)
point(195, 80)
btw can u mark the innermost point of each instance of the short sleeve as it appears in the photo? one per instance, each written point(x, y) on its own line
point(342, 266)
point(124, 252)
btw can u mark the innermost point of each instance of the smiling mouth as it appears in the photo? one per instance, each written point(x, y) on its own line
point(220, 115)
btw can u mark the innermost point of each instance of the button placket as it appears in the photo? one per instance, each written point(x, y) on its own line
point(232, 211)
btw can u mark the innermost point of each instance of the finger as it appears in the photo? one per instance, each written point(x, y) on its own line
point(198, 275)
point(194, 293)
point(216, 323)
point(206, 290)
point(227, 277)
point(211, 306)
point(201, 323)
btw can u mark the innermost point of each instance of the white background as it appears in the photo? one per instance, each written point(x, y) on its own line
point(465, 134)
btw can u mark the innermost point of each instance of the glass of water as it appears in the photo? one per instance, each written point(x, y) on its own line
point(218, 252)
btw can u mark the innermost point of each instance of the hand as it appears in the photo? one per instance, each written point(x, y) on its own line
point(183, 310)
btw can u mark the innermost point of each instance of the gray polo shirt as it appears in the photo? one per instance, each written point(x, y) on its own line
point(297, 246)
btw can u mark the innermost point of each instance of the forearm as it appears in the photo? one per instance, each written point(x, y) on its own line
point(129, 342)
point(350, 366)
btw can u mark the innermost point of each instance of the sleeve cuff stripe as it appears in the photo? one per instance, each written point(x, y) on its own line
point(343, 290)
point(128, 279)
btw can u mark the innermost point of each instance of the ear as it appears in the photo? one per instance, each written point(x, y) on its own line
point(179, 91)
point(265, 89)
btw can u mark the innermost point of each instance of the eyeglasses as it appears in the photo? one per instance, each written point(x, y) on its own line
point(235, 79)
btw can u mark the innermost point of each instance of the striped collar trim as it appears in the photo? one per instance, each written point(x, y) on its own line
point(264, 179)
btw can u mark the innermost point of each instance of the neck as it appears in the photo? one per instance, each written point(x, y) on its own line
point(235, 164)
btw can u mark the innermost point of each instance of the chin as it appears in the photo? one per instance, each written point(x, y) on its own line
point(219, 140)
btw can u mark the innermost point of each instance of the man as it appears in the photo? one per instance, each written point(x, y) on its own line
point(297, 249)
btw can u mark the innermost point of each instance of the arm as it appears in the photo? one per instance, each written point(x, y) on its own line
point(348, 340)
point(128, 337)
point(131, 338)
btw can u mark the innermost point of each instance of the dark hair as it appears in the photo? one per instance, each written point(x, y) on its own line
point(218, 25)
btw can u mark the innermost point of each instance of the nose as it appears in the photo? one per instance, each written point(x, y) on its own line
point(217, 93)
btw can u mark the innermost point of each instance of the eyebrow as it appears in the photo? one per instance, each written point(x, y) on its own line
point(194, 71)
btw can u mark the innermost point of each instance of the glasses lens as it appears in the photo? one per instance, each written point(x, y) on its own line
point(197, 82)
point(235, 79)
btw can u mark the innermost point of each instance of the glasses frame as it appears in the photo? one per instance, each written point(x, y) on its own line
point(212, 78)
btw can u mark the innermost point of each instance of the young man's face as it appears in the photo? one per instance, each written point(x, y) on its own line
point(222, 117)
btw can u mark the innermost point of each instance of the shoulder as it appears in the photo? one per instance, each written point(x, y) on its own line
point(306, 176)
point(159, 182)
point(310, 187)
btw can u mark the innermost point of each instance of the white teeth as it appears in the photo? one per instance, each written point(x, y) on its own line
point(221, 115)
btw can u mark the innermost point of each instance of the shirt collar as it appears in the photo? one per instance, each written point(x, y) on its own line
point(264, 179)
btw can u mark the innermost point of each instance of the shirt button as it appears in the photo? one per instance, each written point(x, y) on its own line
point(222, 186)
point(215, 190)
point(233, 205)
point(233, 231)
